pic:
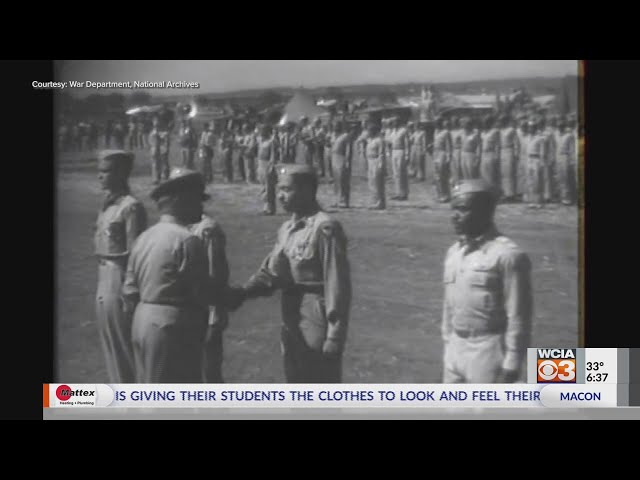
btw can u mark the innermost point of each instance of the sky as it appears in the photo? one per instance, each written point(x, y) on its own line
point(228, 75)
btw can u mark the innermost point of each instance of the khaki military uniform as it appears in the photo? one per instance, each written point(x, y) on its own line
point(486, 321)
point(304, 153)
point(400, 157)
point(214, 240)
point(456, 170)
point(288, 147)
point(549, 166)
point(509, 156)
point(309, 265)
point(207, 148)
point(249, 151)
point(132, 136)
point(490, 158)
point(319, 137)
point(442, 153)
point(419, 154)
point(159, 144)
point(227, 145)
point(341, 157)
point(361, 143)
point(267, 175)
point(169, 282)
point(536, 158)
point(121, 220)
point(188, 144)
point(522, 184)
point(566, 166)
point(470, 154)
point(375, 152)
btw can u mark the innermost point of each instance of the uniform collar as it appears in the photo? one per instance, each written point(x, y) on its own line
point(302, 222)
point(470, 244)
point(112, 197)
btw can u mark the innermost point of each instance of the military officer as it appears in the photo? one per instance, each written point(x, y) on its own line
point(214, 240)
point(490, 156)
point(309, 265)
point(509, 156)
point(267, 174)
point(400, 158)
point(121, 220)
point(376, 160)
point(442, 153)
point(168, 287)
point(486, 321)
point(341, 157)
point(419, 152)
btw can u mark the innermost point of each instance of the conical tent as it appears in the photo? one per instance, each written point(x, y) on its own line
point(301, 105)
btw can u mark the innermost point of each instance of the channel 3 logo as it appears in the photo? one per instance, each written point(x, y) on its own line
point(556, 365)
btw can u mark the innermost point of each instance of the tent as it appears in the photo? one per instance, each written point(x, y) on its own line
point(301, 104)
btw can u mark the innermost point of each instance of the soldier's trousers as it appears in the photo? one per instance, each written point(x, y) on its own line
point(419, 164)
point(133, 141)
point(508, 172)
point(442, 174)
point(168, 343)
point(239, 160)
point(469, 166)
point(376, 177)
point(474, 359)
point(328, 161)
point(188, 155)
point(490, 168)
point(401, 174)
point(535, 178)
point(250, 162)
point(454, 168)
point(318, 153)
point(522, 185)
point(213, 356)
point(160, 166)
point(268, 179)
point(303, 364)
point(567, 178)
point(206, 157)
point(114, 326)
point(227, 161)
point(342, 179)
point(549, 180)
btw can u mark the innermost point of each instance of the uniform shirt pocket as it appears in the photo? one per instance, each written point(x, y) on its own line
point(485, 284)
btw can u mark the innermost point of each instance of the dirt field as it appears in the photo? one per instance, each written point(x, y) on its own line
point(396, 259)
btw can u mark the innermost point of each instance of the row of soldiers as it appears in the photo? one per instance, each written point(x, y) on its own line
point(84, 136)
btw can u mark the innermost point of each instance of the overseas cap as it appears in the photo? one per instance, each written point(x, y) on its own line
point(109, 159)
point(474, 186)
point(181, 180)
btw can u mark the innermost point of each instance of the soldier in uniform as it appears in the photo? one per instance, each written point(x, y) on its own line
point(227, 145)
point(159, 145)
point(490, 157)
point(523, 161)
point(168, 287)
point(207, 146)
point(342, 154)
point(289, 144)
point(488, 300)
point(442, 153)
point(509, 156)
point(549, 166)
point(214, 240)
point(267, 175)
point(470, 151)
point(419, 152)
point(536, 157)
point(566, 163)
point(376, 160)
point(121, 220)
point(188, 144)
point(400, 157)
point(361, 146)
point(319, 139)
point(132, 134)
point(456, 139)
point(249, 152)
point(309, 265)
point(304, 154)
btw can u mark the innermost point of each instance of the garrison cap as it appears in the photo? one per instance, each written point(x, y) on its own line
point(108, 159)
point(181, 180)
point(294, 169)
point(475, 186)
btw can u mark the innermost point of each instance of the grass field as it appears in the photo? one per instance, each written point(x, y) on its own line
point(396, 259)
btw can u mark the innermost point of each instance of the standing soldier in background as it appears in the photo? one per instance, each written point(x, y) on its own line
point(289, 144)
point(238, 141)
point(207, 146)
point(566, 163)
point(550, 184)
point(536, 158)
point(304, 154)
point(488, 299)
point(509, 156)
point(214, 241)
point(159, 146)
point(141, 133)
point(361, 147)
point(470, 151)
point(309, 265)
point(490, 157)
point(456, 139)
point(442, 155)
point(250, 147)
point(267, 175)
point(319, 138)
point(119, 134)
point(121, 220)
point(226, 150)
point(523, 162)
point(375, 153)
point(132, 133)
point(400, 157)
point(188, 144)
point(419, 152)
point(342, 154)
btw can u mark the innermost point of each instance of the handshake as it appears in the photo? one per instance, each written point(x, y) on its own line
point(234, 297)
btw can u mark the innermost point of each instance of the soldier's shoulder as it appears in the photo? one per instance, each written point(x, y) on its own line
point(452, 249)
point(131, 203)
point(207, 227)
point(509, 251)
point(328, 226)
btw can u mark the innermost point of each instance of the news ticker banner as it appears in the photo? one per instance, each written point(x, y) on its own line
point(557, 378)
